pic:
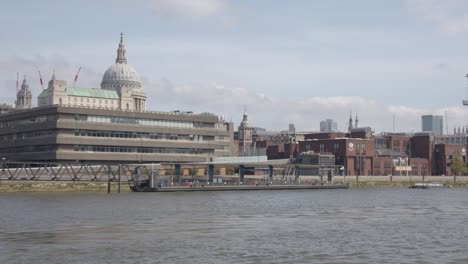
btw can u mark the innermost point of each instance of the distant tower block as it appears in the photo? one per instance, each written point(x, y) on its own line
point(465, 102)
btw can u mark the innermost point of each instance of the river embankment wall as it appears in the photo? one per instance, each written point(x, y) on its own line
point(353, 181)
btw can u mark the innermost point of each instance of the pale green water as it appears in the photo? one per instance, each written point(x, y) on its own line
point(338, 226)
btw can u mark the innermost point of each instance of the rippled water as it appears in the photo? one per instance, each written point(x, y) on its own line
point(336, 226)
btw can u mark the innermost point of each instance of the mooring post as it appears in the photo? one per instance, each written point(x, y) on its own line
point(108, 182)
point(330, 176)
point(270, 173)
point(241, 173)
point(297, 172)
point(118, 186)
point(210, 173)
point(177, 172)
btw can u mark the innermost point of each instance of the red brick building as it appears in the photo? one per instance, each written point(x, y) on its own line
point(421, 145)
point(419, 166)
point(355, 154)
point(443, 156)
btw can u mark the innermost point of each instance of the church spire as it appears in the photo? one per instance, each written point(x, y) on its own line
point(121, 52)
point(356, 121)
point(245, 122)
point(350, 122)
point(23, 86)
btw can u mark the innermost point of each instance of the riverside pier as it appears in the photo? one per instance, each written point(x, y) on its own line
point(164, 177)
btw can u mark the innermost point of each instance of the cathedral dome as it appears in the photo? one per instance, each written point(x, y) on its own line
point(120, 74)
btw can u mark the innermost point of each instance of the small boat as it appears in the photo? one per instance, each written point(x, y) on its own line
point(424, 185)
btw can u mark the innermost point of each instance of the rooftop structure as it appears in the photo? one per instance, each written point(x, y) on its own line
point(120, 89)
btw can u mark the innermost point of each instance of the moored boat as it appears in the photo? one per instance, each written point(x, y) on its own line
point(425, 185)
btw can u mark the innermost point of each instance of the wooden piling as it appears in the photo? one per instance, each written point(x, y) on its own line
point(118, 186)
point(108, 183)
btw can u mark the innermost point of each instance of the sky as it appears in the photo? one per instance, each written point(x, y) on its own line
point(299, 61)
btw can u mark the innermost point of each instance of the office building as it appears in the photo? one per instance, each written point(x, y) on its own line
point(433, 123)
point(328, 125)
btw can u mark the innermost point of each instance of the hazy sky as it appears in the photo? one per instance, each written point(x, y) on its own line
point(287, 61)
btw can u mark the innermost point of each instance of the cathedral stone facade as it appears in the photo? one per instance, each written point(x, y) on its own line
point(245, 137)
point(24, 96)
point(120, 89)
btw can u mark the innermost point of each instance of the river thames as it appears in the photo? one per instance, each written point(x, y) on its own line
point(386, 225)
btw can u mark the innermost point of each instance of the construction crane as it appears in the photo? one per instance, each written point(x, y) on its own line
point(17, 82)
point(465, 102)
point(76, 77)
point(40, 79)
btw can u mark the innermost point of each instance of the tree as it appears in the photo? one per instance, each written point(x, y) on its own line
point(458, 166)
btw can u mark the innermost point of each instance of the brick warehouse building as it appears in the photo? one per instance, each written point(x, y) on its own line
point(355, 154)
point(422, 146)
point(364, 154)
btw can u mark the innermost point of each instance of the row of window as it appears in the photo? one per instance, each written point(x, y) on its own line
point(94, 100)
point(451, 140)
point(25, 149)
point(31, 120)
point(20, 136)
point(336, 147)
point(141, 121)
point(140, 135)
point(129, 149)
point(360, 147)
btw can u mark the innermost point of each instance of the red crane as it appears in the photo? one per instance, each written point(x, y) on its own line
point(40, 79)
point(76, 77)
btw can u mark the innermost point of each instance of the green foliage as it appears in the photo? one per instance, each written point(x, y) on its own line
point(458, 166)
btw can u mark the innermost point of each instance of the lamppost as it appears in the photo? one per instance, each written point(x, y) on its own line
point(3, 169)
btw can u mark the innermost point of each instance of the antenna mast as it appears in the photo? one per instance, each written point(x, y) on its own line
point(446, 123)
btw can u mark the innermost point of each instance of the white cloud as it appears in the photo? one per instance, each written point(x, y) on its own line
point(273, 113)
point(188, 8)
point(305, 113)
point(29, 67)
point(449, 16)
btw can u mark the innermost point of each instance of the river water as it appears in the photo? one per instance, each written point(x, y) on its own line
point(386, 225)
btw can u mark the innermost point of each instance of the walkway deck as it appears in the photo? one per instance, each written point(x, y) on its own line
point(246, 188)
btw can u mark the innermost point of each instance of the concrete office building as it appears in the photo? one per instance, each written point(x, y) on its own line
point(433, 123)
point(62, 133)
point(110, 125)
